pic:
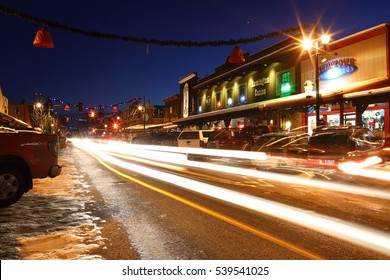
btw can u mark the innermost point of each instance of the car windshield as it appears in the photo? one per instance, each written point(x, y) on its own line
point(189, 135)
point(268, 140)
point(206, 133)
point(331, 138)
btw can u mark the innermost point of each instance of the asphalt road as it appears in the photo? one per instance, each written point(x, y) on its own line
point(110, 203)
point(175, 211)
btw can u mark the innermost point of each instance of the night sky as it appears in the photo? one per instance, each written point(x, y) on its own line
point(98, 71)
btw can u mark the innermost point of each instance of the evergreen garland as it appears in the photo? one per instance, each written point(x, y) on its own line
point(100, 35)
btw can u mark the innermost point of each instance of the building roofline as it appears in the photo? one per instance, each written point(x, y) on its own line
point(188, 77)
point(243, 66)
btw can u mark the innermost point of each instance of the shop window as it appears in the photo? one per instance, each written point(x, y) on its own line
point(242, 95)
point(218, 103)
point(208, 102)
point(285, 82)
point(373, 119)
point(199, 105)
point(229, 95)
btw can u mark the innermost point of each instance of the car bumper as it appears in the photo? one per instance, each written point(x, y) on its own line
point(55, 171)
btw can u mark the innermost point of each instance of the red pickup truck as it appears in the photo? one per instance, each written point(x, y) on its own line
point(25, 154)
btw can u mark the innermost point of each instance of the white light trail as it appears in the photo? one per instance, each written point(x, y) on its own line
point(361, 168)
point(195, 151)
point(175, 155)
point(363, 236)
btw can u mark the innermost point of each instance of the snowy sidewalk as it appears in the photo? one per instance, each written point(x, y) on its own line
point(58, 219)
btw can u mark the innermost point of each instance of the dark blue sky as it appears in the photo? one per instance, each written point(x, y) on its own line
point(105, 72)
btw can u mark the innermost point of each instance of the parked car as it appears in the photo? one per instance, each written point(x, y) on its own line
point(324, 149)
point(193, 138)
point(240, 139)
point(282, 143)
point(282, 149)
point(25, 154)
point(142, 138)
point(258, 130)
point(219, 137)
point(334, 144)
point(165, 138)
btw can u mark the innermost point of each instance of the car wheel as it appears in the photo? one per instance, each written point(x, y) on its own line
point(12, 185)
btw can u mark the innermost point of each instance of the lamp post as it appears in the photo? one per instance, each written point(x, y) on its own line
point(308, 45)
point(317, 86)
point(144, 116)
point(39, 115)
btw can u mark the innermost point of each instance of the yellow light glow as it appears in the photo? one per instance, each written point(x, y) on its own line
point(325, 39)
point(307, 44)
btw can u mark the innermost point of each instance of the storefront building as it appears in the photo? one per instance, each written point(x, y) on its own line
point(271, 86)
point(236, 94)
point(354, 81)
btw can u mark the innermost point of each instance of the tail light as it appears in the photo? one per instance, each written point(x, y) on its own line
point(53, 148)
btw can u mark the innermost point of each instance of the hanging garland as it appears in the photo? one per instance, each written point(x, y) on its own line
point(95, 108)
point(99, 35)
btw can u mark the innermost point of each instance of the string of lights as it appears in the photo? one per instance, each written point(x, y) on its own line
point(150, 41)
point(80, 106)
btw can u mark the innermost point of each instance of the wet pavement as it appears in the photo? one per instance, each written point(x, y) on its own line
point(60, 219)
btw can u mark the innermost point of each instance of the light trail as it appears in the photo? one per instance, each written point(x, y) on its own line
point(363, 236)
point(195, 151)
point(174, 155)
point(362, 168)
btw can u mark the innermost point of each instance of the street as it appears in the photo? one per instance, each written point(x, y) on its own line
point(120, 201)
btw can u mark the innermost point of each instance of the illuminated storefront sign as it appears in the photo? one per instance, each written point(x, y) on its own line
point(337, 68)
point(185, 101)
point(261, 82)
point(259, 92)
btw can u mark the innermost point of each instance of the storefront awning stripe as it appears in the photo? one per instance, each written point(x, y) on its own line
point(269, 104)
point(366, 93)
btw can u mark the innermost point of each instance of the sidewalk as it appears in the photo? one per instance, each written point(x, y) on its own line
point(62, 218)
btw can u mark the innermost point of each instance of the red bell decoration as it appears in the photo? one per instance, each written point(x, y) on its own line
point(67, 108)
point(236, 56)
point(43, 39)
point(114, 109)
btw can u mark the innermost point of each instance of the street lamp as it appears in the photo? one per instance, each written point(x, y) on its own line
point(144, 115)
point(308, 45)
point(39, 115)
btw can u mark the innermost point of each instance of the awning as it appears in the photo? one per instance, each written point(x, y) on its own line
point(301, 99)
point(241, 111)
point(370, 95)
point(139, 127)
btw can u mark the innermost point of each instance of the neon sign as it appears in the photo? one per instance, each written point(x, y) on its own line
point(337, 68)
